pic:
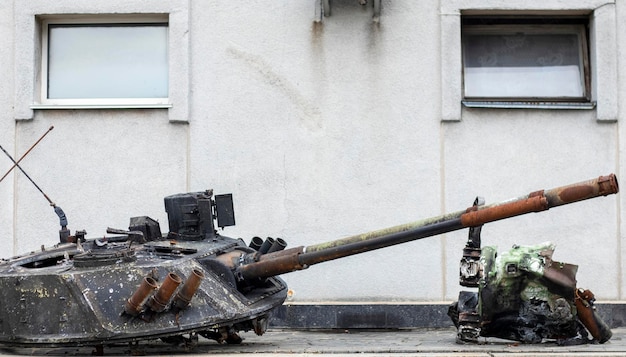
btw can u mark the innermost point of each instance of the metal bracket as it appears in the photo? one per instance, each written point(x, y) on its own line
point(473, 239)
point(470, 269)
point(377, 6)
point(224, 210)
point(326, 7)
point(326, 4)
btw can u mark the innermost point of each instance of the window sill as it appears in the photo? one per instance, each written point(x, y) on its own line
point(528, 105)
point(100, 106)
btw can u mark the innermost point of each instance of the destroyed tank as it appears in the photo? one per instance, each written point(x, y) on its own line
point(140, 284)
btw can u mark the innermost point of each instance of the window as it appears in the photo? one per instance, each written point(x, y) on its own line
point(105, 62)
point(508, 60)
point(599, 18)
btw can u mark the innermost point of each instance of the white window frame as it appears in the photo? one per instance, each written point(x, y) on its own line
point(94, 102)
point(27, 53)
point(602, 48)
point(511, 29)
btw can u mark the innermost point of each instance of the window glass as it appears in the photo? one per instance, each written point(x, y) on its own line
point(107, 61)
point(525, 62)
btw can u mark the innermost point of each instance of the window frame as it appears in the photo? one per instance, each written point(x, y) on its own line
point(94, 103)
point(578, 30)
point(602, 15)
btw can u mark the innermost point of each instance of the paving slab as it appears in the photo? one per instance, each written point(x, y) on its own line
point(338, 343)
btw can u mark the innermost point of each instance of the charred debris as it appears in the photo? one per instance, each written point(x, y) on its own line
point(140, 284)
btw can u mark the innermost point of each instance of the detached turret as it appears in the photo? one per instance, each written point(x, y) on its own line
point(139, 284)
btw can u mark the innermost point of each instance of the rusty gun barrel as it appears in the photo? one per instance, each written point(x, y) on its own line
point(285, 261)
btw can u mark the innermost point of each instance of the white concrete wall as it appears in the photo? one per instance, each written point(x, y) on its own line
point(621, 149)
point(7, 125)
point(320, 130)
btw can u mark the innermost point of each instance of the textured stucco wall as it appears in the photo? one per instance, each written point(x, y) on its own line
point(621, 132)
point(302, 129)
point(7, 125)
point(321, 130)
point(101, 167)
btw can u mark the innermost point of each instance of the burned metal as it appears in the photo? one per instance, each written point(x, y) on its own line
point(162, 297)
point(524, 295)
point(140, 284)
point(186, 293)
point(134, 305)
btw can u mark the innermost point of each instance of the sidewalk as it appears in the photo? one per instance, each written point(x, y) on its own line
point(338, 343)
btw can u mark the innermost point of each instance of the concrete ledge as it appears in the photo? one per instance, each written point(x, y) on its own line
point(392, 316)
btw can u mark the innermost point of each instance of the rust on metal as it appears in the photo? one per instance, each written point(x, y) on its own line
point(571, 194)
point(159, 300)
point(536, 201)
point(588, 316)
point(608, 185)
point(563, 274)
point(602, 186)
point(494, 213)
point(585, 313)
point(135, 303)
point(186, 293)
point(235, 287)
point(273, 264)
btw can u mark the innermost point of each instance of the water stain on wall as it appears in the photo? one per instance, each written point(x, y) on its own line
point(311, 113)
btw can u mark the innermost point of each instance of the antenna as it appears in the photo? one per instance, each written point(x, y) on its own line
point(28, 177)
point(58, 210)
point(16, 163)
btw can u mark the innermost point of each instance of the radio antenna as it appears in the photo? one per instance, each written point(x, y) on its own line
point(59, 212)
point(28, 177)
point(16, 163)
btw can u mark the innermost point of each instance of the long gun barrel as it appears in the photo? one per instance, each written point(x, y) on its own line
point(298, 258)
